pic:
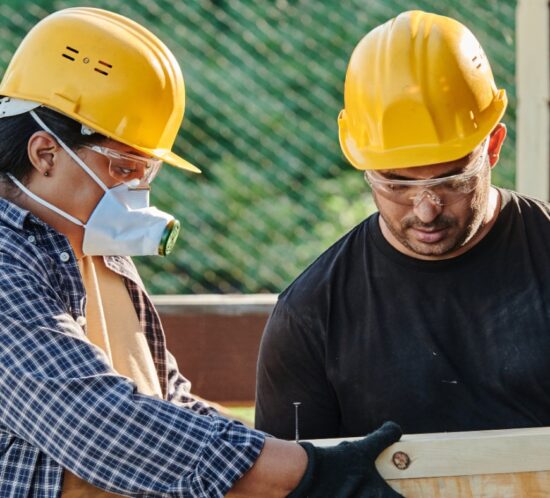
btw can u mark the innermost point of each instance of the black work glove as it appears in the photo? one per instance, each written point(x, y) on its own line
point(347, 470)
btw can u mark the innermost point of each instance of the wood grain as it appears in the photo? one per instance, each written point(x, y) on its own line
point(513, 463)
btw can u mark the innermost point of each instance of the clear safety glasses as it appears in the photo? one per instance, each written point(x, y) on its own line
point(138, 171)
point(442, 191)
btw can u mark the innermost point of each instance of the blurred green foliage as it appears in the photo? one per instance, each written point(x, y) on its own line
point(243, 413)
point(264, 87)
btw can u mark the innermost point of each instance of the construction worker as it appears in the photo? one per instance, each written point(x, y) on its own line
point(91, 403)
point(434, 311)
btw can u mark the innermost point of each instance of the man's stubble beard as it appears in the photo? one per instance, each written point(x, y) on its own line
point(472, 225)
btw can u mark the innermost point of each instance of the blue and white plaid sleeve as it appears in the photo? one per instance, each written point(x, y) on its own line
point(58, 393)
point(179, 390)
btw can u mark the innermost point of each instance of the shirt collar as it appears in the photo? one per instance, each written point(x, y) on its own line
point(22, 219)
point(12, 214)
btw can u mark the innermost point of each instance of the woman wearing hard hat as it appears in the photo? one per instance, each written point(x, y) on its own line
point(91, 403)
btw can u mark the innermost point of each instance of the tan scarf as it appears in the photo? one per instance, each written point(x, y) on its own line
point(112, 324)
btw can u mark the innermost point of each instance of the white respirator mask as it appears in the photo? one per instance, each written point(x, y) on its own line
point(122, 223)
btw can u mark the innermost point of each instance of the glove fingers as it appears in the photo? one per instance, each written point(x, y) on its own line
point(380, 439)
point(374, 487)
point(382, 488)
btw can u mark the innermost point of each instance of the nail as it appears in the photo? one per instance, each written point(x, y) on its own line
point(401, 460)
point(296, 406)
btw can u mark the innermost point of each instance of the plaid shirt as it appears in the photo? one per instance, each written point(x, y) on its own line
point(63, 406)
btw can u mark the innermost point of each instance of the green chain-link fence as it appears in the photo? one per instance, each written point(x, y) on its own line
point(264, 86)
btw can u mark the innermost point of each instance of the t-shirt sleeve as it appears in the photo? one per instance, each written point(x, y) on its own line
point(291, 368)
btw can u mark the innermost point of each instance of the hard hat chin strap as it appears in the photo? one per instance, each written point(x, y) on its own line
point(70, 151)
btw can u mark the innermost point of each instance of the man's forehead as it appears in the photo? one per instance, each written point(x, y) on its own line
point(443, 169)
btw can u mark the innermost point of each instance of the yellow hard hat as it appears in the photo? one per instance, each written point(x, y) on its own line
point(106, 72)
point(419, 90)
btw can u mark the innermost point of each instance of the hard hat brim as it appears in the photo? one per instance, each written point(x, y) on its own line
point(172, 159)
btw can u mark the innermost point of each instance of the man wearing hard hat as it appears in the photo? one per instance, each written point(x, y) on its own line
point(432, 312)
point(91, 402)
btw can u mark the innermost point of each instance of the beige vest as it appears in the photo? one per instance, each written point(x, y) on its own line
point(113, 325)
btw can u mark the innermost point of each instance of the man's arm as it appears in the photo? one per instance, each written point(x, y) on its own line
point(291, 368)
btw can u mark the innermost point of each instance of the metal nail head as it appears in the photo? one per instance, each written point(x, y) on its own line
point(401, 460)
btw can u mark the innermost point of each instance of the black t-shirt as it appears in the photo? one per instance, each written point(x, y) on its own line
point(368, 334)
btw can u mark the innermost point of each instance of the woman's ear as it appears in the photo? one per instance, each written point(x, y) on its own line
point(42, 149)
point(496, 140)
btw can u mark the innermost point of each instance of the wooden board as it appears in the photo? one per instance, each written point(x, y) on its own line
point(512, 463)
point(517, 485)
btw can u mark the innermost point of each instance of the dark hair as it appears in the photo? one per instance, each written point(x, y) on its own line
point(15, 132)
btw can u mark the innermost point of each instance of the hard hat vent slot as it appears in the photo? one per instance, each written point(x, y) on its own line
point(69, 56)
point(104, 69)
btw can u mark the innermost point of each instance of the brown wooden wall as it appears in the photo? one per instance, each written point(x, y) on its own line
point(215, 340)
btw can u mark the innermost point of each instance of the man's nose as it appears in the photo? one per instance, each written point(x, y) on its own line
point(427, 206)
